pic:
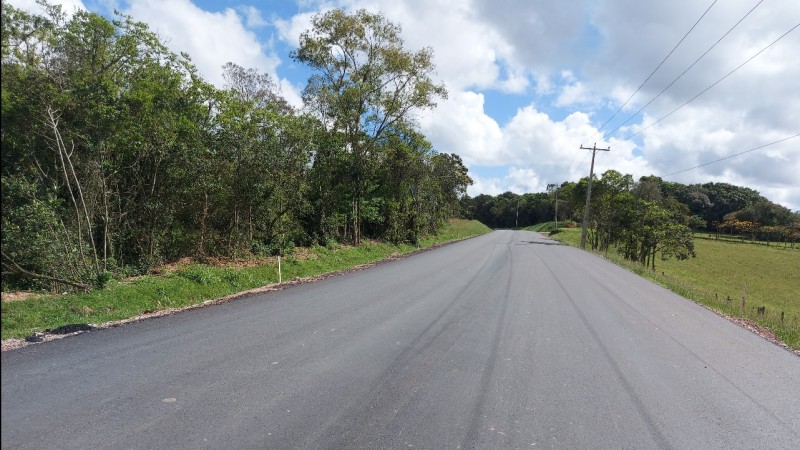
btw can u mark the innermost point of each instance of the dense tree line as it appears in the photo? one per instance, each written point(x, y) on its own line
point(645, 217)
point(117, 156)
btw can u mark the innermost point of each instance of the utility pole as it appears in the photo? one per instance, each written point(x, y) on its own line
point(555, 218)
point(594, 150)
point(553, 189)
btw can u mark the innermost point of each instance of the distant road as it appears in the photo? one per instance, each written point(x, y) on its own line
point(508, 340)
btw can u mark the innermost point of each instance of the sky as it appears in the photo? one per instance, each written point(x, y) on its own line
point(530, 82)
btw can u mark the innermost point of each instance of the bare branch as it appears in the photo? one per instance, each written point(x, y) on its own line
point(17, 270)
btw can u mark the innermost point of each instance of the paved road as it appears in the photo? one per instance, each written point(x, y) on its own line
point(503, 341)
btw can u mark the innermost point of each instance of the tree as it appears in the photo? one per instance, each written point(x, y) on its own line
point(726, 198)
point(365, 84)
point(612, 190)
point(402, 173)
point(117, 156)
point(97, 115)
point(265, 148)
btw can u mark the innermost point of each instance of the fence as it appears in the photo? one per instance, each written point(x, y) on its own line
point(785, 325)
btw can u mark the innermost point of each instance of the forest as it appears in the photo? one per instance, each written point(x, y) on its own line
point(645, 217)
point(117, 156)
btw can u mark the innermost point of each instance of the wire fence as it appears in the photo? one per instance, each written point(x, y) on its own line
point(785, 324)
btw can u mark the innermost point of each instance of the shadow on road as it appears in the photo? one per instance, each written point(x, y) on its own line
point(538, 243)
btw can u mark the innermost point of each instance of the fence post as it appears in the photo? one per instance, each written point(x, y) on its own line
point(744, 296)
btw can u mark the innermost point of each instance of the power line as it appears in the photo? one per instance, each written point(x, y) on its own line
point(658, 67)
point(714, 84)
point(687, 69)
point(734, 155)
point(572, 162)
point(566, 172)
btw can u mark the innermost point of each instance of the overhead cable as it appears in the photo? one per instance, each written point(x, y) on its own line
point(687, 69)
point(734, 155)
point(715, 83)
point(658, 67)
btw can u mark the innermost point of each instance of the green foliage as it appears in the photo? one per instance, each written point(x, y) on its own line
point(200, 274)
point(117, 157)
point(103, 278)
point(196, 283)
point(645, 218)
point(365, 86)
point(510, 210)
point(550, 227)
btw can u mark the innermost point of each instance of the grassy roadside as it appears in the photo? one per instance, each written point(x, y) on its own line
point(191, 284)
point(719, 273)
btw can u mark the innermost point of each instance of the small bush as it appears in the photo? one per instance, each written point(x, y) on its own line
point(102, 279)
point(200, 275)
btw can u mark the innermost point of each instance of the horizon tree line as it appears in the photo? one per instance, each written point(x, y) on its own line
point(643, 218)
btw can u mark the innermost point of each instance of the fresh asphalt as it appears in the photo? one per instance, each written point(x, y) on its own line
point(508, 340)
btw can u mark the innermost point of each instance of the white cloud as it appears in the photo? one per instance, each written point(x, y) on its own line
point(489, 186)
point(460, 126)
point(523, 180)
point(571, 94)
point(515, 82)
point(291, 93)
point(516, 180)
point(253, 16)
point(289, 30)
point(469, 52)
point(533, 148)
point(210, 38)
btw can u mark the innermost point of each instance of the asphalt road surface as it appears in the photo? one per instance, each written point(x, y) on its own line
point(508, 340)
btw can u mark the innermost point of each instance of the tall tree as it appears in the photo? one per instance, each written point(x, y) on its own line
point(366, 82)
point(266, 149)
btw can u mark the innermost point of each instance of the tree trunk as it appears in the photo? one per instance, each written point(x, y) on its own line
point(25, 273)
point(106, 220)
point(356, 222)
point(62, 149)
point(202, 245)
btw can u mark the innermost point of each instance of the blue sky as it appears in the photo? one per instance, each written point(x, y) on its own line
point(531, 81)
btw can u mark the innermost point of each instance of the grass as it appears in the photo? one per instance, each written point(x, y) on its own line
point(719, 273)
point(548, 227)
point(193, 284)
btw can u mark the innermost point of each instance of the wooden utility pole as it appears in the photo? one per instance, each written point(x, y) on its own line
point(594, 150)
point(553, 189)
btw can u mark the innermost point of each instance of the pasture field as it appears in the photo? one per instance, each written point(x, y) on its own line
point(189, 283)
point(767, 276)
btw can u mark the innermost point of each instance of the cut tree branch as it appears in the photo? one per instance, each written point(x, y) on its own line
point(17, 270)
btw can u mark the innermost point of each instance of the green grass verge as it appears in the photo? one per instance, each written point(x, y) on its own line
point(195, 283)
point(720, 271)
point(548, 227)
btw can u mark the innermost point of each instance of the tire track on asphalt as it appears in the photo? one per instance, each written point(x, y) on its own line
point(476, 423)
point(658, 437)
point(622, 297)
point(395, 383)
